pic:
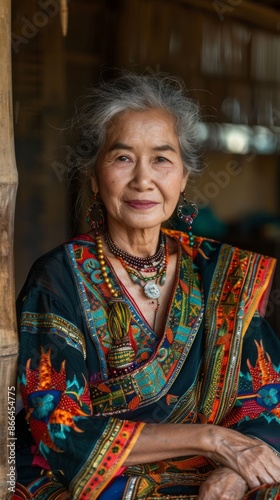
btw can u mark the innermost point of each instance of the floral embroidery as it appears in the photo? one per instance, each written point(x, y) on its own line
point(43, 406)
point(270, 397)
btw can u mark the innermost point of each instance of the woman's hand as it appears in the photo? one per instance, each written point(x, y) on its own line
point(252, 459)
point(224, 484)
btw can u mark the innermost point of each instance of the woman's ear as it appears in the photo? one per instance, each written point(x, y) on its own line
point(184, 181)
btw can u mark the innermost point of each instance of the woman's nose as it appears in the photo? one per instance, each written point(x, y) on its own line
point(142, 175)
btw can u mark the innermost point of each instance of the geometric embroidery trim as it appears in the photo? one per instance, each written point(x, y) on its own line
point(54, 324)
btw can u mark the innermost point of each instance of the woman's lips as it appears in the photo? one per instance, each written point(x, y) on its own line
point(140, 204)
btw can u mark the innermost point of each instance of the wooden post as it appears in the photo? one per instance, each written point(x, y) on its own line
point(8, 331)
point(64, 16)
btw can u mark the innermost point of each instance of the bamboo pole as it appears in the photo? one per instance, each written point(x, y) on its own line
point(8, 188)
point(64, 16)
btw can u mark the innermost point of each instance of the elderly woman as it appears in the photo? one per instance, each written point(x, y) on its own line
point(147, 370)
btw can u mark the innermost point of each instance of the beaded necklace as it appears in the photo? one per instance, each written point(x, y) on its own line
point(135, 266)
point(148, 264)
point(121, 356)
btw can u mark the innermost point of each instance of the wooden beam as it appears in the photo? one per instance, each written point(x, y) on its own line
point(8, 188)
point(261, 16)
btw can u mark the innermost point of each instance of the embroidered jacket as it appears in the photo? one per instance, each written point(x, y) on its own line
point(218, 361)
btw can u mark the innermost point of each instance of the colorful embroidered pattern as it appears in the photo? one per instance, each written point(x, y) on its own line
point(135, 390)
point(158, 480)
point(42, 489)
point(264, 400)
point(238, 278)
point(51, 323)
point(53, 402)
point(111, 450)
point(190, 375)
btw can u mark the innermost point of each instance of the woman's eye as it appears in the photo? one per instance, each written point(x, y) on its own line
point(122, 158)
point(161, 159)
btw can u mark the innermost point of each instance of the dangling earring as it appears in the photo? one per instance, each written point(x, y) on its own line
point(95, 216)
point(187, 212)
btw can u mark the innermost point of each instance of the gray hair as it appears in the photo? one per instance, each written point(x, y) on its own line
point(135, 92)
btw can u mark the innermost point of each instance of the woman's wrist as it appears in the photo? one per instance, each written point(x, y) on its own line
point(165, 441)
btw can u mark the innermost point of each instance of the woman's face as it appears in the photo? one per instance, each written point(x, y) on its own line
point(140, 172)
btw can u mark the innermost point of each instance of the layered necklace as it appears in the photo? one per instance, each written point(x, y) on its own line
point(155, 265)
point(121, 355)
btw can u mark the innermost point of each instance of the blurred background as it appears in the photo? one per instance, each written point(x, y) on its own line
point(228, 54)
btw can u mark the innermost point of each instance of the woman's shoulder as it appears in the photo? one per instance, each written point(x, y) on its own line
point(223, 267)
point(207, 248)
point(58, 253)
point(195, 245)
point(55, 265)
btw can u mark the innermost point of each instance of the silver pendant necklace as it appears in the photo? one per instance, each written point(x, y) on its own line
point(151, 290)
point(135, 266)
